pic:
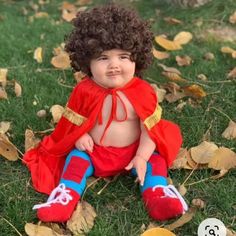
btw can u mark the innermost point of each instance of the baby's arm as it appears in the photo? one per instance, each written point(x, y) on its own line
point(144, 152)
point(85, 143)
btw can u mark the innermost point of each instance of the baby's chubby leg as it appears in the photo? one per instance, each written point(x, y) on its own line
point(162, 201)
point(64, 198)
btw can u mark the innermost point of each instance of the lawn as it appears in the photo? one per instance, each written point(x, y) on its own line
point(119, 207)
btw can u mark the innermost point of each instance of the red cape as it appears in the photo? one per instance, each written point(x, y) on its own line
point(46, 161)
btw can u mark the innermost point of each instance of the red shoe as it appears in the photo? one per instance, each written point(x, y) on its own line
point(59, 206)
point(164, 202)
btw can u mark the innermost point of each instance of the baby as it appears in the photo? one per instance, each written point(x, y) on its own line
point(112, 122)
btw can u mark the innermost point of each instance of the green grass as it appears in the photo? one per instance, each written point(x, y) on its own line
point(119, 207)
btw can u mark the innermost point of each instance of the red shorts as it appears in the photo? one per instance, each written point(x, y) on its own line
point(109, 161)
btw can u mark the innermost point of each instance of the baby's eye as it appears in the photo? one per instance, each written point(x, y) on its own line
point(125, 57)
point(102, 58)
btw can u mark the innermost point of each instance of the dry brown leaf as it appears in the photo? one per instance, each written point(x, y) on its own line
point(173, 97)
point(183, 61)
point(204, 152)
point(41, 113)
point(82, 220)
point(38, 54)
point(61, 61)
point(79, 75)
point(227, 50)
point(167, 44)
point(39, 230)
point(209, 56)
point(173, 76)
point(230, 232)
point(3, 76)
point(160, 55)
point(157, 231)
point(221, 174)
point(3, 94)
point(195, 91)
point(160, 92)
point(4, 126)
point(17, 89)
point(230, 131)
point(182, 189)
point(41, 15)
point(68, 6)
point(202, 77)
point(68, 15)
point(83, 2)
point(57, 112)
point(172, 21)
point(169, 69)
point(232, 74)
point(183, 38)
point(7, 149)
point(232, 18)
point(181, 160)
point(182, 220)
point(30, 140)
point(199, 203)
point(224, 159)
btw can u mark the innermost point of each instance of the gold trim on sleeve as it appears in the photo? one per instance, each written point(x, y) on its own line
point(73, 117)
point(154, 118)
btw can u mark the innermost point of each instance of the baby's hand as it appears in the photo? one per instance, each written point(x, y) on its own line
point(140, 164)
point(85, 142)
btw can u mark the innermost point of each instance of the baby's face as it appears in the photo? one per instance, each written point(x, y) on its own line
point(113, 68)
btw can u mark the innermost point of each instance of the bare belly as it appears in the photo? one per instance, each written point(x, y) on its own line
point(118, 134)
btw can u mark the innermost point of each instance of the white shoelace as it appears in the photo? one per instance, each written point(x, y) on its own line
point(171, 191)
point(63, 197)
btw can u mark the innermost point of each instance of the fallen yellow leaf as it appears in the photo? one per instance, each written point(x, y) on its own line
point(82, 219)
point(3, 76)
point(38, 54)
point(39, 230)
point(173, 76)
point(232, 18)
point(167, 44)
point(232, 74)
point(227, 50)
point(183, 61)
point(230, 131)
point(57, 112)
point(18, 89)
point(183, 38)
point(4, 126)
point(157, 232)
point(68, 15)
point(159, 92)
point(181, 160)
point(30, 140)
point(224, 159)
point(169, 69)
point(199, 203)
point(7, 149)
point(41, 15)
point(203, 153)
point(172, 20)
point(160, 55)
point(195, 91)
point(79, 75)
point(182, 189)
point(61, 61)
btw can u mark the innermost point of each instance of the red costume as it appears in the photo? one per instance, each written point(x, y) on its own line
point(46, 161)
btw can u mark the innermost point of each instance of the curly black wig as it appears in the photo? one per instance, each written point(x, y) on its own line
point(105, 28)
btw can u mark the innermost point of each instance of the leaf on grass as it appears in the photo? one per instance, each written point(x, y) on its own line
point(41, 113)
point(181, 160)
point(79, 75)
point(230, 232)
point(173, 76)
point(41, 15)
point(232, 74)
point(39, 230)
point(185, 218)
point(227, 50)
point(3, 94)
point(30, 140)
point(157, 231)
point(232, 18)
point(209, 56)
point(7, 149)
point(173, 97)
point(183, 38)
point(167, 44)
point(160, 55)
point(61, 61)
point(68, 15)
point(195, 91)
point(182, 189)
point(221, 174)
point(38, 54)
point(4, 126)
point(184, 60)
point(172, 20)
point(204, 152)
point(230, 131)
point(199, 203)
point(160, 93)
point(17, 89)
point(224, 159)
point(82, 220)
point(3, 76)
point(57, 112)
point(169, 69)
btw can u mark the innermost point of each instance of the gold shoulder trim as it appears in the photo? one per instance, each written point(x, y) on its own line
point(73, 117)
point(154, 118)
